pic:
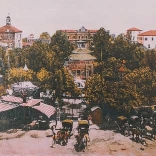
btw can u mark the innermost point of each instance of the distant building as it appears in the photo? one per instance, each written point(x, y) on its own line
point(10, 35)
point(80, 63)
point(28, 41)
point(81, 34)
point(148, 39)
point(132, 34)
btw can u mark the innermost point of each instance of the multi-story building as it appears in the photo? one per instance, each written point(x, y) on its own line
point(80, 63)
point(148, 39)
point(81, 34)
point(133, 33)
point(11, 35)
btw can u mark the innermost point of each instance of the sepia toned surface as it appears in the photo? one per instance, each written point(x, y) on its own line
point(103, 143)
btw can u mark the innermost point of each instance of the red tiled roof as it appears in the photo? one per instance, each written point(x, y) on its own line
point(25, 44)
point(134, 29)
point(31, 35)
point(10, 28)
point(148, 33)
point(93, 31)
point(74, 31)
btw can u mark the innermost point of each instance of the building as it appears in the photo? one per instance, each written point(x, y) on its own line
point(133, 33)
point(28, 41)
point(148, 39)
point(10, 35)
point(80, 63)
point(96, 114)
point(81, 34)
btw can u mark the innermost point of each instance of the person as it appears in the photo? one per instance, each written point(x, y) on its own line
point(90, 120)
point(53, 135)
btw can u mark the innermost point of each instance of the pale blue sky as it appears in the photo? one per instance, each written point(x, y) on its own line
point(37, 16)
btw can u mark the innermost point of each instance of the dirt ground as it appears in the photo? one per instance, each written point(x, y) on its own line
point(103, 143)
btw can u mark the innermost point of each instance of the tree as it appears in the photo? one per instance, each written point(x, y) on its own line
point(2, 90)
point(45, 35)
point(143, 81)
point(151, 59)
point(101, 42)
point(44, 78)
point(18, 74)
point(61, 46)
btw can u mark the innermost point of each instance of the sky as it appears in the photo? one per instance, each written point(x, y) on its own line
point(37, 16)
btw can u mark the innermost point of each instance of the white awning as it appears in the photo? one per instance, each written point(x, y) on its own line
point(45, 109)
point(5, 107)
point(9, 98)
point(32, 102)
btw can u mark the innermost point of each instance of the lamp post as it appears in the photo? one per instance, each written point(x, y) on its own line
point(56, 107)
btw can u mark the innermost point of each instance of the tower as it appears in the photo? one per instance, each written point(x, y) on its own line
point(8, 20)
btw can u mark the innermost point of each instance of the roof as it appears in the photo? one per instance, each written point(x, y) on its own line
point(25, 84)
point(148, 33)
point(45, 109)
point(67, 121)
point(122, 117)
point(31, 102)
point(81, 50)
point(9, 98)
point(75, 31)
point(83, 122)
point(5, 107)
point(69, 31)
point(26, 44)
point(92, 31)
point(94, 108)
point(134, 29)
point(81, 57)
point(9, 28)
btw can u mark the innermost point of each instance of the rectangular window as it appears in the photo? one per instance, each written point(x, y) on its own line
point(78, 72)
point(148, 45)
point(152, 38)
point(145, 39)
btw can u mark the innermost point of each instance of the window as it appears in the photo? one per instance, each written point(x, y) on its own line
point(133, 38)
point(148, 45)
point(86, 37)
point(79, 37)
point(78, 72)
point(145, 39)
point(68, 37)
point(152, 38)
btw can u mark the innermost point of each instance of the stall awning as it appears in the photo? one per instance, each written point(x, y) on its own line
point(45, 109)
point(32, 102)
point(5, 107)
point(9, 98)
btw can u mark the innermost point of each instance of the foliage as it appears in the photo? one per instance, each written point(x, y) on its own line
point(2, 90)
point(61, 46)
point(45, 35)
point(18, 74)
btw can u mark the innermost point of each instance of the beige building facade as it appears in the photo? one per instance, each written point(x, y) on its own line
point(81, 34)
